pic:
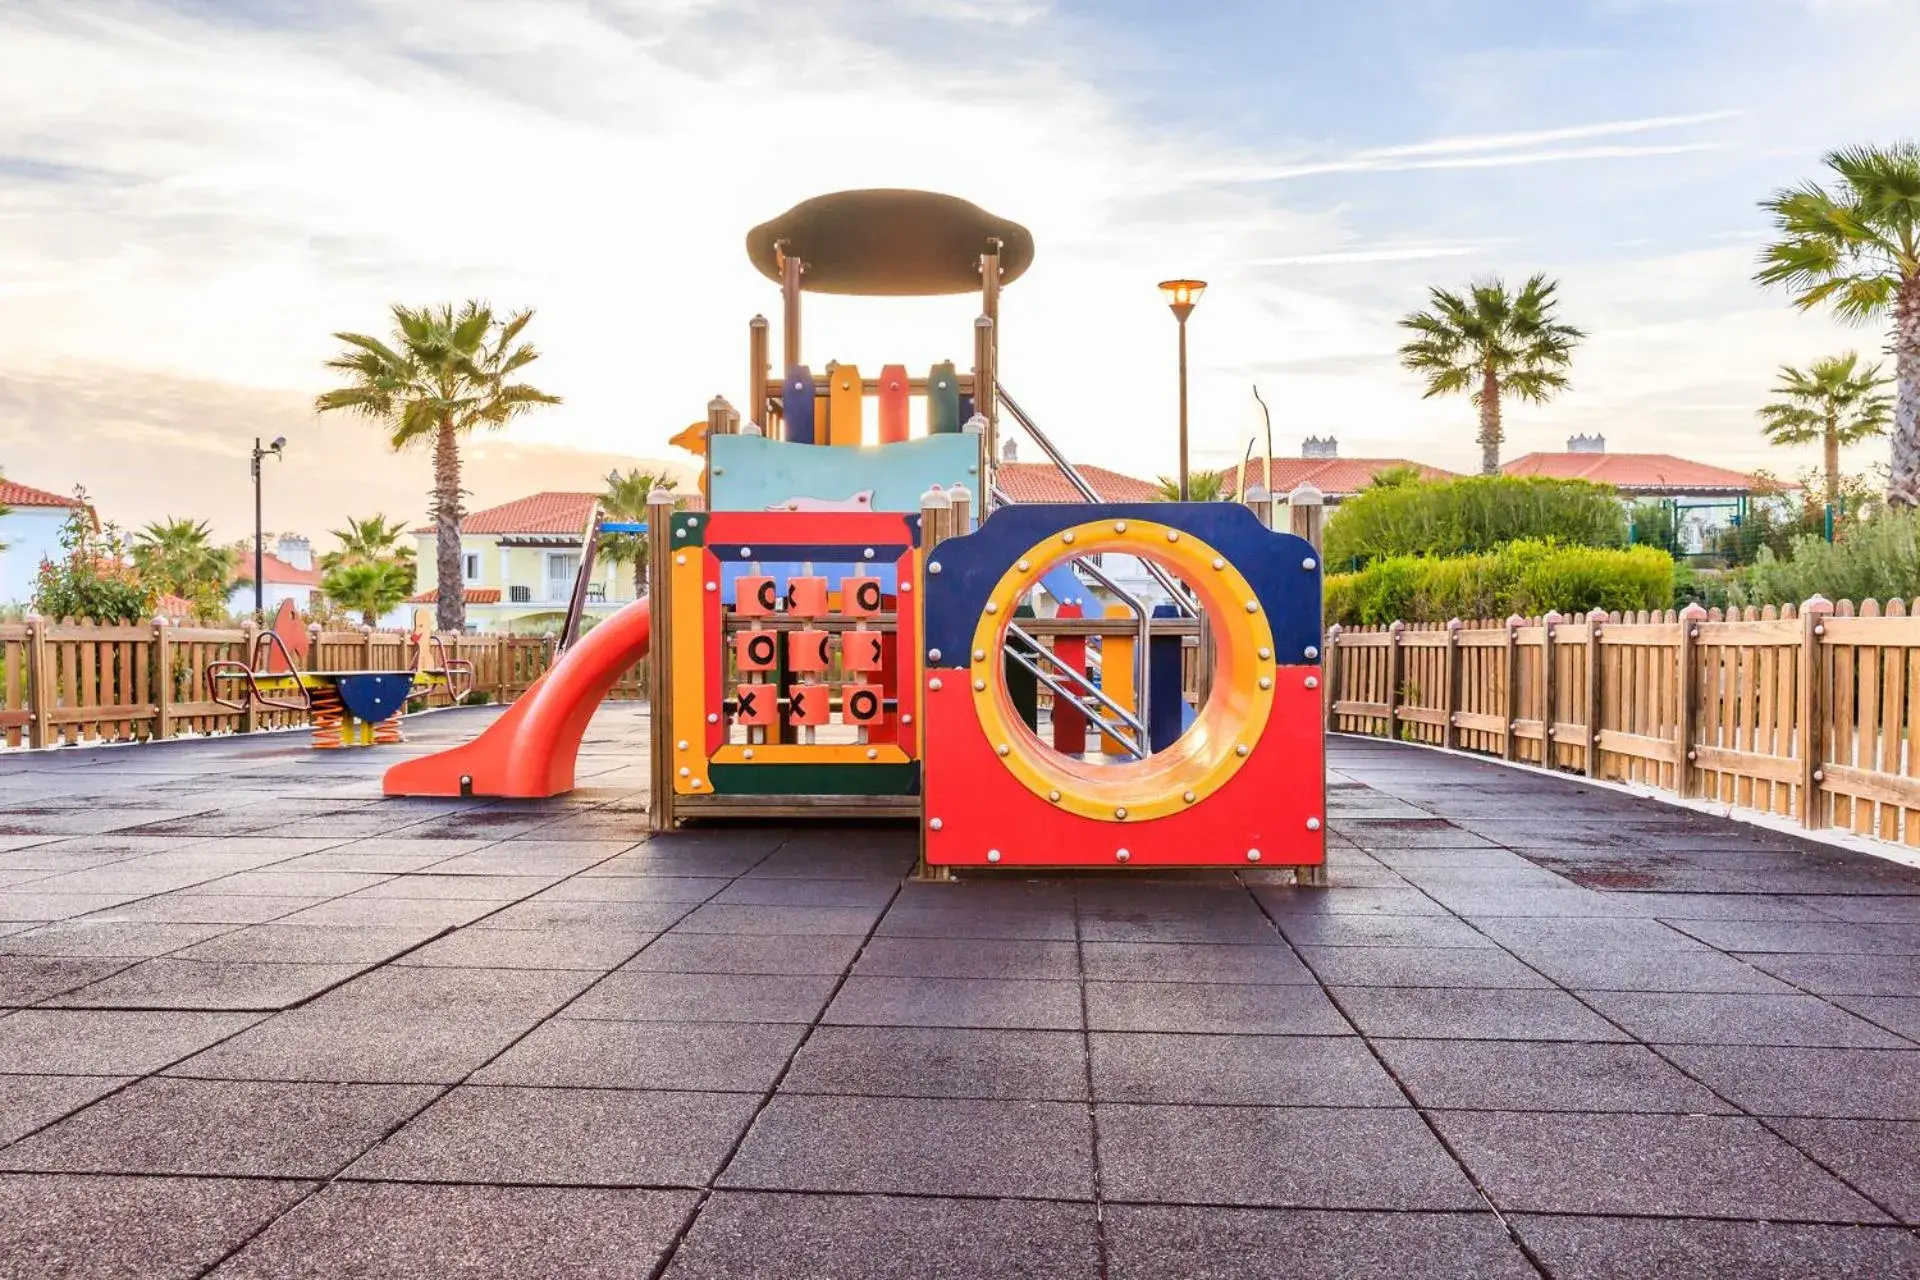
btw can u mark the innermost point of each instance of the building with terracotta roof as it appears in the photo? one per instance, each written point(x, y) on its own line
point(29, 533)
point(519, 561)
point(1321, 466)
point(1706, 499)
point(288, 571)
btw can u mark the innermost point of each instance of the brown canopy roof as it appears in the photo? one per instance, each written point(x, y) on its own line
point(888, 242)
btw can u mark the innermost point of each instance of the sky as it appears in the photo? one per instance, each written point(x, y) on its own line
point(195, 195)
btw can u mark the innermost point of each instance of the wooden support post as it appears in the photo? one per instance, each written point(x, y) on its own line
point(660, 555)
point(759, 374)
point(1510, 664)
point(1396, 659)
point(985, 399)
point(1590, 726)
point(1815, 700)
point(1450, 676)
point(1330, 676)
point(40, 686)
point(936, 515)
point(162, 681)
point(1687, 699)
point(791, 269)
point(1549, 686)
point(1306, 513)
point(960, 511)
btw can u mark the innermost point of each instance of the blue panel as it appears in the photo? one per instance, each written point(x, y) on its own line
point(374, 697)
point(1065, 586)
point(752, 473)
point(1164, 696)
point(796, 406)
point(1274, 563)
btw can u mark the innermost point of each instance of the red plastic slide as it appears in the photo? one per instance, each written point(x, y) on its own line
point(530, 751)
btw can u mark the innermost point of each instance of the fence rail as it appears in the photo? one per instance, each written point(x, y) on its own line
point(64, 683)
point(1811, 713)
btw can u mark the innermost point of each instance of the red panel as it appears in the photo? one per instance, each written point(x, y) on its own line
point(1069, 722)
point(1266, 805)
point(893, 404)
point(713, 652)
point(773, 528)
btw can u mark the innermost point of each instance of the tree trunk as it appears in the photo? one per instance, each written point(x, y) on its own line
point(1490, 436)
point(1833, 461)
point(640, 554)
point(1903, 485)
point(450, 613)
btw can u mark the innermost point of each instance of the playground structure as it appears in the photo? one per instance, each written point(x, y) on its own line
point(345, 708)
point(860, 624)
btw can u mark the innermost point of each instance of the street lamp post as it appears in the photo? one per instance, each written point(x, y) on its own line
point(277, 448)
point(1182, 296)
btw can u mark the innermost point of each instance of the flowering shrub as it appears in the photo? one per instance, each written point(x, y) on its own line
point(93, 580)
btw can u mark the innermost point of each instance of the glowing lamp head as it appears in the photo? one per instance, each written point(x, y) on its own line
point(1182, 296)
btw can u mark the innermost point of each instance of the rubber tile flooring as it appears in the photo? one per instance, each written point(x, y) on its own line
point(256, 1021)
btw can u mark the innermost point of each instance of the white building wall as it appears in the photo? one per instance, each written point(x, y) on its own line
point(30, 535)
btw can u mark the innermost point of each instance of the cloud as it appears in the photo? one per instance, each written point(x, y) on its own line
point(1537, 137)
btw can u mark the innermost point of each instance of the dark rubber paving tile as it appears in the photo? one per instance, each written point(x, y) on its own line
point(957, 1002)
point(27, 1102)
point(1310, 903)
point(208, 908)
point(683, 890)
point(1699, 1018)
point(1529, 937)
point(959, 1062)
point(395, 1025)
point(963, 922)
point(110, 1043)
point(1626, 969)
point(431, 885)
point(918, 1145)
point(1196, 1243)
point(1864, 1084)
point(1307, 1157)
point(1193, 962)
point(396, 1232)
point(807, 921)
point(1701, 1166)
point(214, 984)
point(25, 903)
point(1242, 927)
point(636, 920)
point(289, 880)
point(60, 1225)
point(604, 1137)
point(1444, 1013)
point(1808, 937)
point(1876, 1156)
point(28, 980)
point(1518, 1075)
point(967, 958)
point(816, 890)
point(1899, 1014)
point(1275, 1071)
point(1844, 975)
point(237, 1128)
point(1226, 1009)
point(1476, 967)
point(1692, 1249)
point(703, 997)
point(289, 943)
point(429, 914)
point(576, 946)
point(744, 1057)
point(741, 1233)
point(107, 939)
point(735, 953)
point(1380, 931)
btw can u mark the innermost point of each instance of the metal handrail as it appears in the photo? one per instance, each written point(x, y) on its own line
point(577, 601)
point(1133, 748)
point(1170, 584)
point(1020, 633)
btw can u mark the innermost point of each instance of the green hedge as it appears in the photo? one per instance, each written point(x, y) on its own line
point(1527, 578)
point(1472, 515)
point(1877, 559)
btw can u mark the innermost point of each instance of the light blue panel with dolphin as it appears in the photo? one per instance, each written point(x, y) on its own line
point(753, 473)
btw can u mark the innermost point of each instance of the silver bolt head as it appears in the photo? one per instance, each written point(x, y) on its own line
point(935, 684)
point(1313, 682)
point(1121, 812)
point(933, 655)
point(1241, 750)
point(712, 718)
point(1309, 563)
point(935, 824)
point(934, 567)
point(993, 855)
point(1054, 796)
point(1312, 651)
point(1253, 855)
point(872, 754)
point(1122, 855)
point(1001, 749)
point(1313, 824)
point(979, 686)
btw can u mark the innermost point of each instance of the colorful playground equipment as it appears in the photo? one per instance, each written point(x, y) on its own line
point(344, 708)
point(861, 624)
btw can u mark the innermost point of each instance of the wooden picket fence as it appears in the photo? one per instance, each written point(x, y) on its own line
point(1811, 713)
point(64, 683)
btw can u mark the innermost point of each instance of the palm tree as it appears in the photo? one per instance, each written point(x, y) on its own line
point(446, 373)
point(1856, 247)
point(177, 556)
point(1495, 342)
point(374, 540)
point(1202, 486)
point(1833, 401)
point(626, 499)
point(369, 587)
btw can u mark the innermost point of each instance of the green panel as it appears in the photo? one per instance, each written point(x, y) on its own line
point(689, 529)
point(753, 473)
point(816, 779)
